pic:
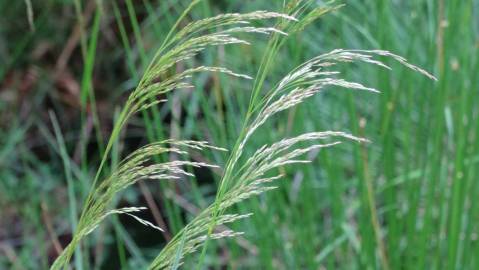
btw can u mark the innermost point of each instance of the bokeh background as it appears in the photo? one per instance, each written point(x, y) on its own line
point(67, 66)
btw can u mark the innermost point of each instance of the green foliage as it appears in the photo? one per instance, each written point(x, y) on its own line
point(239, 181)
point(406, 200)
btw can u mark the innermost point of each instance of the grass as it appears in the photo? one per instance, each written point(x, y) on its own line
point(406, 200)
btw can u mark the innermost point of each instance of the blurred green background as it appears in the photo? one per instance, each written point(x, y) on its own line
point(66, 67)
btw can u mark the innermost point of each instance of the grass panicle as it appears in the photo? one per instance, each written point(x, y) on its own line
point(184, 45)
point(243, 177)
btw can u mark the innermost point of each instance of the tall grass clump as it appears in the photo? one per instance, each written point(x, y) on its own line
point(243, 176)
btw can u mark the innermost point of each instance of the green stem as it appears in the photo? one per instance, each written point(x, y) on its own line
point(271, 50)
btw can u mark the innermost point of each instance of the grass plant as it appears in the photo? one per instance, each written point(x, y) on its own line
point(162, 94)
point(240, 179)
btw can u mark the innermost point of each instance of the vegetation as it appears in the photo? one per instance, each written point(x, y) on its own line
point(406, 200)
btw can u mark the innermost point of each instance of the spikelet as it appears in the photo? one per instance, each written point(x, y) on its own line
point(192, 237)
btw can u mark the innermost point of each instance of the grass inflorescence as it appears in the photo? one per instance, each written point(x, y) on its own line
point(240, 179)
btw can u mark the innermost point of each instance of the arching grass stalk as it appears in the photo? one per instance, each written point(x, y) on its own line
point(184, 45)
point(247, 180)
point(307, 13)
point(243, 177)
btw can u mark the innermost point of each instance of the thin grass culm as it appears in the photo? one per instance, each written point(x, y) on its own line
point(243, 176)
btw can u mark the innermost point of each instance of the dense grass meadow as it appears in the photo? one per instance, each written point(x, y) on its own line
point(85, 83)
